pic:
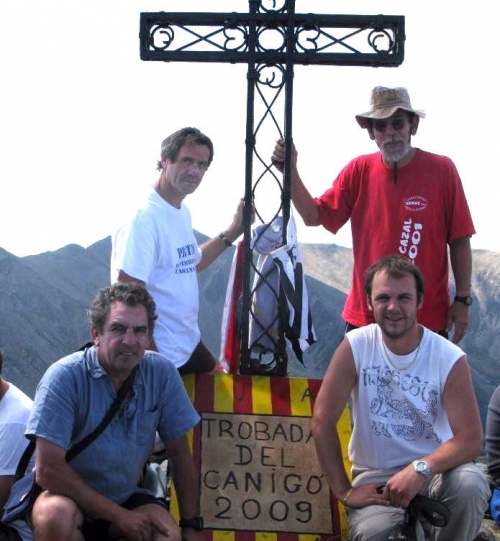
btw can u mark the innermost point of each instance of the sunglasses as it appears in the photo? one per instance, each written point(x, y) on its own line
point(396, 123)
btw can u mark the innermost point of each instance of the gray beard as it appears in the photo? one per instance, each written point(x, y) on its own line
point(395, 155)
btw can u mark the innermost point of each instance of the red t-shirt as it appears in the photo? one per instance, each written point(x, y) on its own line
point(418, 216)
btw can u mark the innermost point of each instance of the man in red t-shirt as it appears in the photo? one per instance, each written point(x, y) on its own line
point(400, 200)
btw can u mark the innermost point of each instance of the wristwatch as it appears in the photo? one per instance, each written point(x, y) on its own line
point(422, 468)
point(194, 522)
point(464, 300)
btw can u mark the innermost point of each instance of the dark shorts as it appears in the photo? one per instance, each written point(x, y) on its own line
point(201, 360)
point(8, 534)
point(97, 530)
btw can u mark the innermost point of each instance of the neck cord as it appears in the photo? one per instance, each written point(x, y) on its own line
point(395, 172)
point(387, 354)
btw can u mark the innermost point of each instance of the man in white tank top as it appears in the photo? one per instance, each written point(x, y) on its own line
point(416, 424)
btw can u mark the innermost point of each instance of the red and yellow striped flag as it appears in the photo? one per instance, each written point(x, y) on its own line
point(259, 475)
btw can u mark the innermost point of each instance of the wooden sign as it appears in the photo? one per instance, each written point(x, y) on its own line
point(259, 474)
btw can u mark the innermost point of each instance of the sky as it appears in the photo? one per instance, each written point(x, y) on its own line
point(82, 117)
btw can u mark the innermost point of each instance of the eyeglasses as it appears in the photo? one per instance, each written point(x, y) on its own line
point(396, 123)
point(189, 162)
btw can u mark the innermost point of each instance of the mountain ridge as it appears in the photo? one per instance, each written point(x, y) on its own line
point(46, 296)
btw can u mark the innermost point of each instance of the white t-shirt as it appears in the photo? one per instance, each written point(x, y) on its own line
point(15, 408)
point(158, 246)
point(398, 414)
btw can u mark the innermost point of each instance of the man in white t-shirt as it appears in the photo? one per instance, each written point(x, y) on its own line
point(157, 248)
point(15, 407)
point(416, 425)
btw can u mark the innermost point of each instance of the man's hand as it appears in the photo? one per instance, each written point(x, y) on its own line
point(278, 156)
point(139, 525)
point(236, 227)
point(213, 248)
point(403, 486)
point(458, 318)
point(190, 534)
point(365, 495)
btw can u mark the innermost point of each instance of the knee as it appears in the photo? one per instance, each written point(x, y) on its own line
point(55, 517)
point(374, 523)
point(367, 532)
point(470, 480)
point(466, 487)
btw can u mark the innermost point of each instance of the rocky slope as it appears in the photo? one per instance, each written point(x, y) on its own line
point(45, 297)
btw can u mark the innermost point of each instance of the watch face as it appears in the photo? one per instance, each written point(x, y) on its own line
point(422, 467)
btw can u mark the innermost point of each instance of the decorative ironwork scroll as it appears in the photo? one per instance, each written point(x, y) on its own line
point(273, 36)
point(271, 39)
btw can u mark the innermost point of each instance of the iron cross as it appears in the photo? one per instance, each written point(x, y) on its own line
point(271, 39)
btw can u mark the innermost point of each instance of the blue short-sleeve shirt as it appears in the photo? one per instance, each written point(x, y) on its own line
point(75, 394)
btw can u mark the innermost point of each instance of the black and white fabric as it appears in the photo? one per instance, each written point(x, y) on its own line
point(280, 298)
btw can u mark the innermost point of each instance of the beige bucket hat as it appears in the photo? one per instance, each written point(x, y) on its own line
point(385, 102)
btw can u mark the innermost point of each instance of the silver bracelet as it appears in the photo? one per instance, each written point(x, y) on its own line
point(346, 495)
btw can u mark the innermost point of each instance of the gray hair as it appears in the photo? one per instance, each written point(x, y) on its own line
point(129, 293)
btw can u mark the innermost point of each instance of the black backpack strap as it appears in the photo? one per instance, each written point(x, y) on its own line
point(115, 406)
point(22, 465)
point(85, 442)
point(433, 511)
point(85, 346)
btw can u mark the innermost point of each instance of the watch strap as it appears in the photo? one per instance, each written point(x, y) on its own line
point(467, 300)
point(225, 240)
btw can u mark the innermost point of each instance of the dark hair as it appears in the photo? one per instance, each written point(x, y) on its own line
point(396, 266)
point(129, 293)
point(172, 145)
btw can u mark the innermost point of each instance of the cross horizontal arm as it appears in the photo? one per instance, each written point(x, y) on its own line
point(359, 40)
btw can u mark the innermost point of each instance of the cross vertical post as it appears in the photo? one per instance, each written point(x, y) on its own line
point(271, 39)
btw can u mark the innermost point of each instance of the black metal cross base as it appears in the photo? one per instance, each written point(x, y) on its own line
point(270, 40)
